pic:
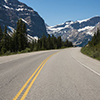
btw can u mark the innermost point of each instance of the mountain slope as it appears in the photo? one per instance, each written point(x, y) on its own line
point(12, 10)
point(78, 32)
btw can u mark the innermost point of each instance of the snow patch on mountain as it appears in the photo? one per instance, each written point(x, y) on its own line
point(23, 9)
point(80, 21)
point(36, 38)
point(11, 29)
point(30, 38)
point(24, 21)
point(20, 9)
point(20, 6)
point(86, 28)
point(7, 7)
point(5, 1)
point(90, 33)
point(69, 23)
point(57, 28)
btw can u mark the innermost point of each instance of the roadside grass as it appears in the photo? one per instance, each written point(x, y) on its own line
point(93, 52)
point(26, 51)
point(13, 53)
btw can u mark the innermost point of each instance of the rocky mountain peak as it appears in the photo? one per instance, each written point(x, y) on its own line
point(79, 32)
point(12, 10)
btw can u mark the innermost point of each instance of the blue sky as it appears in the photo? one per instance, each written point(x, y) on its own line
point(58, 11)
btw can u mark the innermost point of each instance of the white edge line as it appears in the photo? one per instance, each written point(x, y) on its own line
point(86, 67)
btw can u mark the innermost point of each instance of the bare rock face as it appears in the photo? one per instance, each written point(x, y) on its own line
point(94, 30)
point(78, 32)
point(12, 10)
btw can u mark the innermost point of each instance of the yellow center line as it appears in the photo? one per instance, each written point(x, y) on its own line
point(18, 94)
point(26, 92)
point(29, 87)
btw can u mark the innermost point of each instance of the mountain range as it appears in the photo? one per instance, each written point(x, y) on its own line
point(12, 10)
point(79, 32)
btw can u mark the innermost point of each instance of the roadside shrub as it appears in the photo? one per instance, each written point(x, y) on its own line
point(96, 54)
point(26, 50)
point(8, 53)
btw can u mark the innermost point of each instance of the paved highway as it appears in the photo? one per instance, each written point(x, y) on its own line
point(50, 75)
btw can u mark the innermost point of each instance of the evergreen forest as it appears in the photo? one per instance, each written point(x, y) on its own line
point(17, 42)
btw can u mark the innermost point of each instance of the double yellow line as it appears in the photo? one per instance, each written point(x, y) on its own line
point(35, 75)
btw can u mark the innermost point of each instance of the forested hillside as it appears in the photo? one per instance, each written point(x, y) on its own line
point(17, 42)
point(93, 47)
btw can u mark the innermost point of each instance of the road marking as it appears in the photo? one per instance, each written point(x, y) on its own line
point(86, 66)
point(30, 85)
point(26, 92)
point(27, 82)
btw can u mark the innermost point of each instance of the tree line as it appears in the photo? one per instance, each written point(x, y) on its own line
point(95, 39)
point(18, 42)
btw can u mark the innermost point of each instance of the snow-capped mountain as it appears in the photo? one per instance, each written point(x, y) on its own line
point(12, 10)
point(79, 32)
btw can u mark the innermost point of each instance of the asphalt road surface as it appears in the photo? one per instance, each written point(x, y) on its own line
point(63, 74)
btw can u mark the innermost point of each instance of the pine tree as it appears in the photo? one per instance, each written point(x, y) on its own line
point(98, 36)
point(10, 43)
point(44, 46)
point(95, 39)
point(59, 42)
point(15, 42)
point(20, 36)
point(39, 44)
point(4, 41)
point(66, 43)
point(49, 44)
point(1, 36)
point(24, 31)
point(54, 42)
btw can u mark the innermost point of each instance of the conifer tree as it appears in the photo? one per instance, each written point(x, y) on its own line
point(49, 44)
point(1, 36)
point(39, 44)
point(66, 43)
point(24, 31)
point(4, 41)
point(54, 42)
point(59, 42)
point(95, 39)
point(15, 42)
point(20, 36)
point(44, 46)
point(98, 36)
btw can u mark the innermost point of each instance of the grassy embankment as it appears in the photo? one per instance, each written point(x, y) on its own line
point(92, 49)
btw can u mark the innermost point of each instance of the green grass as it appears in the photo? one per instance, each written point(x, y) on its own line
point(13, 53)
point(93, 52)
point(26, 51)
